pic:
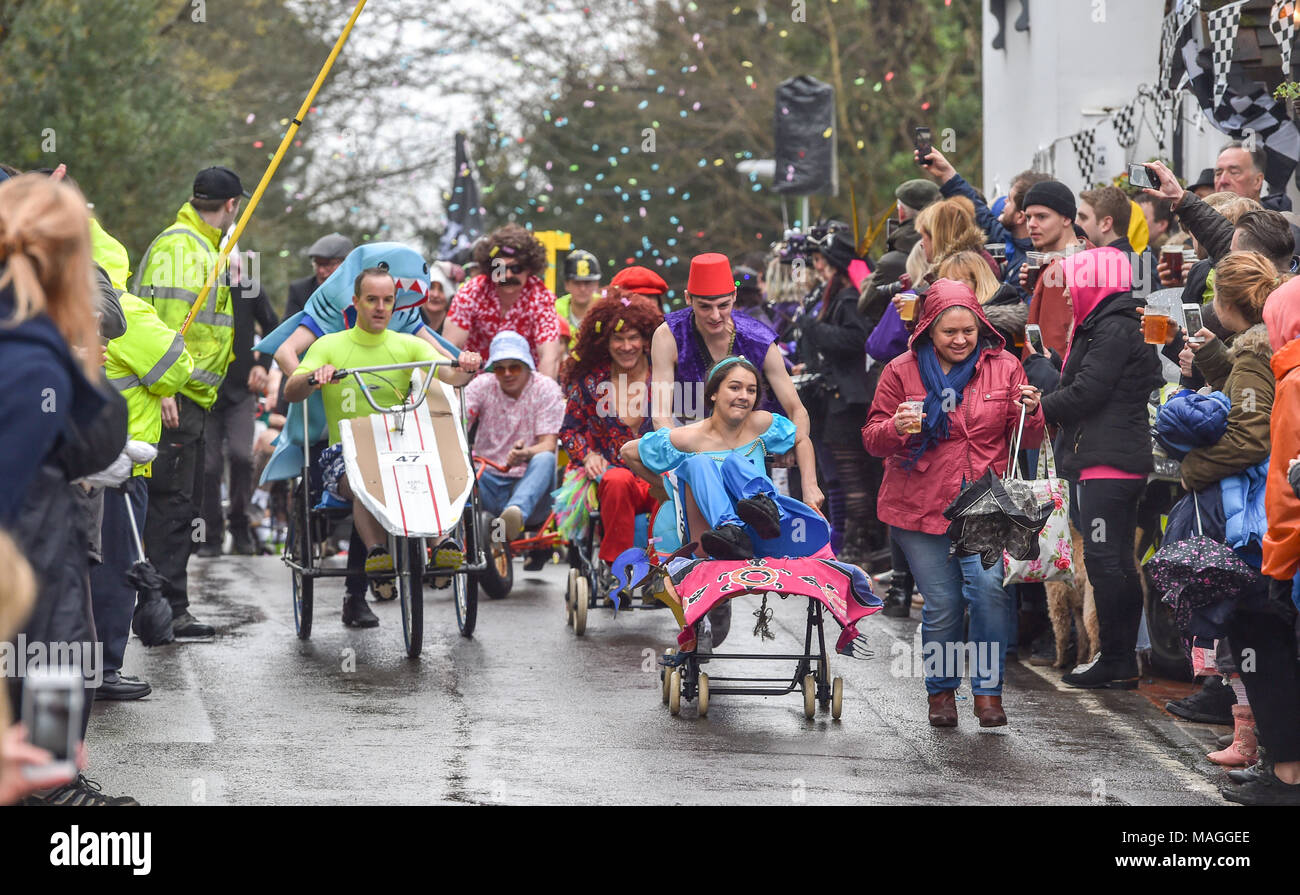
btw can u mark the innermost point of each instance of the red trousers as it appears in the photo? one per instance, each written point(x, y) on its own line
point(622, 496)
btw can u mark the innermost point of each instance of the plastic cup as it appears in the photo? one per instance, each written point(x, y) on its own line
point(907, 306)
point(1173, 258)
point(917, 407)
point(1155, 326)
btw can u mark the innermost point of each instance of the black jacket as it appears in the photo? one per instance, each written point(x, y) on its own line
point(1101, 402)
point(836, 346)
point(299, 292)
point(893, 264)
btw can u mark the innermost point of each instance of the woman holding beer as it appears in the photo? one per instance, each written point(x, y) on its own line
point(1104, 447)
point(945, 411)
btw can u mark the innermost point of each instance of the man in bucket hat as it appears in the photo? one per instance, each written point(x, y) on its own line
point(519, 412)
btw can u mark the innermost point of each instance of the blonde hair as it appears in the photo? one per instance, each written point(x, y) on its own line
point(1243, 281)
point(45, 250)
point(1230, 205)
point(970, 268)
point(916, 265)
point(951, 229)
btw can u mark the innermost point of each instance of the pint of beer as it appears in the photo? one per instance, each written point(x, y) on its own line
point(918, 408)
point(1173, 258)
point(907, 306)
point(1155, 326)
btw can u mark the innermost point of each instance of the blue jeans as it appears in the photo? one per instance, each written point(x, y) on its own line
point(950, 584)
point(717, 487)
point(531, 493)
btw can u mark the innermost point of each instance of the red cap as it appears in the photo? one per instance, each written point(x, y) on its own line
point(641, 280)
point(710, 276)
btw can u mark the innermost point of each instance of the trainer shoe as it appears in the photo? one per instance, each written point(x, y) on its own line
point(1265, 789)
point(380, 560)
point(449, 555)
point(1212, 704)
point(512, 519)
point(81, 792)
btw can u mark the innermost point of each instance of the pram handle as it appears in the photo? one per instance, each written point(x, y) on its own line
point(431, 366)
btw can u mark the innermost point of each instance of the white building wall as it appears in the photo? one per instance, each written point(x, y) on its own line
point(1079, 55)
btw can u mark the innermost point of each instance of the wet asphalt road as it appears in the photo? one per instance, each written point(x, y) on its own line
point(526, 713)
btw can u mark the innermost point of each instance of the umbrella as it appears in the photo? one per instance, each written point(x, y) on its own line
point(153, 614)
point(992, 515)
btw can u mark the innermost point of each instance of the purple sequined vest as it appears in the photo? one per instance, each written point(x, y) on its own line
point(753, 339)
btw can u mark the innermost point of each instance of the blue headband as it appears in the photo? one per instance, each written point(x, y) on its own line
point(729, 359)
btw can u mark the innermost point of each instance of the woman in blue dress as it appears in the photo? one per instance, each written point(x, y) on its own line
point(731, 505)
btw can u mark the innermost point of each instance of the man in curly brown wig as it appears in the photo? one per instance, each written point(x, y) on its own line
point(508, 294)
point(607, 380)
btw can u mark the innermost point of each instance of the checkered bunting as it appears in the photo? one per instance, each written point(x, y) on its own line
point(1124, 121)
point(1281, 22)
point(1084, 144)
point(1222, 25)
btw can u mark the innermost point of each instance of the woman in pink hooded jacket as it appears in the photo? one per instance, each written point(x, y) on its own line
point(972, 391)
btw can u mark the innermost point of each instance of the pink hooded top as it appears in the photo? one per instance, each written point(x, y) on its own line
point(1093, 276)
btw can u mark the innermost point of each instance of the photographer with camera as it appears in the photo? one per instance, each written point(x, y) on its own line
point(913, 196)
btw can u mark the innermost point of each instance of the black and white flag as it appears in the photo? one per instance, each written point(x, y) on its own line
point(1124, 121)
point(1174, 33)
point(1084, 144)
point(1281, 22)
point(1222, 26)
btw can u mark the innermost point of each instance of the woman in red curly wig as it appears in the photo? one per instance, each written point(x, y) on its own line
point(607, 378)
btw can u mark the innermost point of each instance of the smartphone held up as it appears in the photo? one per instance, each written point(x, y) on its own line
point(1144, 176)
point(922, 141)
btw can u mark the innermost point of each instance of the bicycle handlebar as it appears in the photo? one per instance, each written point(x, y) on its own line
point(356, 372)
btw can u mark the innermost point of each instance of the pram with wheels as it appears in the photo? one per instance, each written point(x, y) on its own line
point(697, 586)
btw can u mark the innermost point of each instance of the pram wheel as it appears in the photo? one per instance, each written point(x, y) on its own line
point(568, 598)
point(464, 586)
point(410, 585)
point(809, 696)
point(837, 697)
point(665, 674)
point(581, 597)
point(298, 545)
point(703, 697)
point(675, 692)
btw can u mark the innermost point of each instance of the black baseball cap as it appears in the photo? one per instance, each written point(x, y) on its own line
point(218, 183)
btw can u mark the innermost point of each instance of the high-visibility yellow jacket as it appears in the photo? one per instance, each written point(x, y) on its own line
point(110, 255)
point(146, 364)
point(172, 275)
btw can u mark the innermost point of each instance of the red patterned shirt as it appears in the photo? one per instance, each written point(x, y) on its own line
point(477, 310)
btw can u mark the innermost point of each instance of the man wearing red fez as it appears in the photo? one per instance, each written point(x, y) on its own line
point(690, 341)
point(642, 281)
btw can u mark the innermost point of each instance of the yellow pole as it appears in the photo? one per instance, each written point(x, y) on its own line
point(275, 163)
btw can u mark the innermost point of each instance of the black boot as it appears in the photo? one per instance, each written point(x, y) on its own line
point(727, 542)
point(898, 599)
point(761, 512)
point(356, 612)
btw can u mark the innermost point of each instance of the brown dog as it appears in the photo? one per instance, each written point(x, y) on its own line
point(1074, 600)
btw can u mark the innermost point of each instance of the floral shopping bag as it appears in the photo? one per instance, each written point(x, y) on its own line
point(1055, 560)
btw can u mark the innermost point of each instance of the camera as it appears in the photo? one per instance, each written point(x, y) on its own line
point(902, 284)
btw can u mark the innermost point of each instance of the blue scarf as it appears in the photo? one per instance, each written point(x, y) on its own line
point(935, 428)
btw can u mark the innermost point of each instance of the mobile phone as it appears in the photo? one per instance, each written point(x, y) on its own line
point(52, 701)
point(1192, 313)
point(1034, 333)
point(1144, 176)
point(921, 139)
